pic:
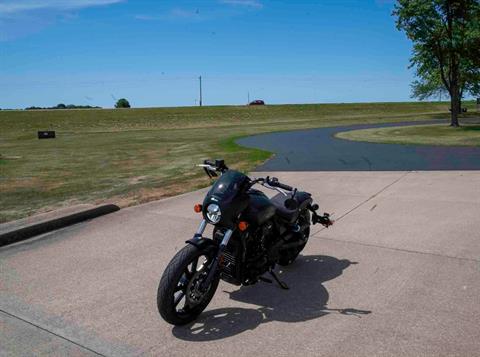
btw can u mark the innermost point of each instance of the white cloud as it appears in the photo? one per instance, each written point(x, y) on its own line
point(17, 6)
point(173, 14)
point(247, 3)
point(177, 12)
point(204, 14)
point(147, 17)
point(20, 18)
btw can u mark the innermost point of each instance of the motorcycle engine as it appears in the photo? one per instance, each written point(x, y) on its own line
point(257, 246)
point(230, 264)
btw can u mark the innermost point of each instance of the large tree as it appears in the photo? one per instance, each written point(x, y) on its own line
point(446, 47)
point(122, 103)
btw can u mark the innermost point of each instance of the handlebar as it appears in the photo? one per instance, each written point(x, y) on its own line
point(211, 168)
point(275, 183)
point(282, 185)
point(272, 182)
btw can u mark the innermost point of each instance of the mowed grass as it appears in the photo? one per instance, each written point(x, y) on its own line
point(466, 135)
point(130, 156)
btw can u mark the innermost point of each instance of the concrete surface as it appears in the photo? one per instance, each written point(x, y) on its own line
point(16, 231)
point(397, 275)
point(319, 150)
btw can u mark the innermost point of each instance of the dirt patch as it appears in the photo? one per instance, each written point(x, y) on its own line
point(9, 185)
point(145, 195)
point(137, 179)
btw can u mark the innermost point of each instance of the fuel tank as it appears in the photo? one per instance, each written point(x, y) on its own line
point(259, 209)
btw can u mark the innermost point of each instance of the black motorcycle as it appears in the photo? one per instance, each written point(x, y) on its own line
point(251, 234)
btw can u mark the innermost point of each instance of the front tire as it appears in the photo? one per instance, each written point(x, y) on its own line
point(179, 300)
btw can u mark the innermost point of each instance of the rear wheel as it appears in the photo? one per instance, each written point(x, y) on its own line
point(288, 256)
point(180, 299)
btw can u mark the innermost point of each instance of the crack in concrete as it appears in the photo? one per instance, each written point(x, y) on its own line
point(380, 246)
point(51, 332)
point(365, 201)
point(400, 249)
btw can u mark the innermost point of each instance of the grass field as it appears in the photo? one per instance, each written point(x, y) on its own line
point(466, 135)
point(129, 156)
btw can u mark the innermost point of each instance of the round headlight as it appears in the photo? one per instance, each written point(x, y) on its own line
point(213, 213)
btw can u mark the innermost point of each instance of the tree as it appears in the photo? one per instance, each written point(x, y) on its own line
point(432, 86)
point(446, 50)
point(122, 103)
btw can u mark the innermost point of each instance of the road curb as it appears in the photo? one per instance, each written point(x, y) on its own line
point(22, 232)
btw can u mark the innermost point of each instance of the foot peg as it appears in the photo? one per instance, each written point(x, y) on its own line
point(323, 220)
point(279, 282)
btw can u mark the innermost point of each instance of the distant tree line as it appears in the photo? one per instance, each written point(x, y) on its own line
point(63, 106)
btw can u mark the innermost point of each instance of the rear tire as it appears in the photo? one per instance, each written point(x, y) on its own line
point(179, 282)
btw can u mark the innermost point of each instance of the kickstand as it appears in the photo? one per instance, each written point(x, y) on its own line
point(281, 283)
point(265, 280)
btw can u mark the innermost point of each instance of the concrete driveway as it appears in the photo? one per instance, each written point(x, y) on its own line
point(398, 274)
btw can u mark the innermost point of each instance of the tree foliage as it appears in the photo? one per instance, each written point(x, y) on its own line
point(63, 106)
point(122, 103)
point(446, 47)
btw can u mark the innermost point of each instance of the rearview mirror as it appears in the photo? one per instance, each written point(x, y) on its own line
point(291, 204)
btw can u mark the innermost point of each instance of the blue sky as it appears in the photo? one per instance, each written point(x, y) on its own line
point(152, 52)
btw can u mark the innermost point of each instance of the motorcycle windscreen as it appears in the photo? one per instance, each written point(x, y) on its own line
point(228, 185)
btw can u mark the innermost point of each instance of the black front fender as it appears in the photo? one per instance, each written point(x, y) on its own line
point(201, 242)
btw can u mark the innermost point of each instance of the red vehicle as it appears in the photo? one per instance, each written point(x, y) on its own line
point(257, 102)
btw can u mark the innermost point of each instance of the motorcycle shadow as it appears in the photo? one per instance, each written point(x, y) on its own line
point(305, 300)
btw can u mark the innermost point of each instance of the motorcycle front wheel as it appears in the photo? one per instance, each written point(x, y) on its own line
point(179, 298)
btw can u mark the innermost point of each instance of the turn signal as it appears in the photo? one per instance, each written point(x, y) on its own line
point(242, 225)
point(197, 208)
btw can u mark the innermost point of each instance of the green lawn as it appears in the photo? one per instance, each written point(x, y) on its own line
point(466, 135)
point(129, 156)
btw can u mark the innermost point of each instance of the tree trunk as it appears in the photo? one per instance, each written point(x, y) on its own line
point(455, 105)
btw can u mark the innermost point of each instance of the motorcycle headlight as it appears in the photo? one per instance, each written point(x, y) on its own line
point(213, 213)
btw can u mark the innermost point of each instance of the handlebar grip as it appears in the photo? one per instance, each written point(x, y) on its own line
point(274, 182)
point(285, 187)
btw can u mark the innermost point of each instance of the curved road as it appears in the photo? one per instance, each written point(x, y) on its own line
point(319, 150)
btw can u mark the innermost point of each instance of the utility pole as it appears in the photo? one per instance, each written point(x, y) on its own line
point(200, 81)
point(248, 97)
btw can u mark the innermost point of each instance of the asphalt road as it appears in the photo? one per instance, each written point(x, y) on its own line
point(319, 150)
point(397, 275)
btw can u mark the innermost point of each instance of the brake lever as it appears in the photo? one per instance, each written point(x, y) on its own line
point(278, 189)
point(259, 180)
point(209, 170)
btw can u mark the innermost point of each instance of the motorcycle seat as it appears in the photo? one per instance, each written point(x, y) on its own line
point(303, 199)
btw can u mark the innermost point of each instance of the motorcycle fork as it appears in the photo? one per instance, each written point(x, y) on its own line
point(216, 261)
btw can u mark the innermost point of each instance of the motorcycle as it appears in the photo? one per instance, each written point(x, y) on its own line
point(252, 234)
